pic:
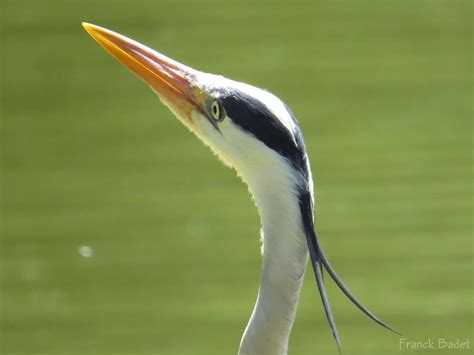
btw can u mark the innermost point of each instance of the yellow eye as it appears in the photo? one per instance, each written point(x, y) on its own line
point(216, 111)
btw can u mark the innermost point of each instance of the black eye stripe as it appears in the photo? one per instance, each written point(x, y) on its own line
point(253, 116)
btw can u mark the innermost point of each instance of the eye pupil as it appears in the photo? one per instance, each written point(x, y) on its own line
point(217, 112)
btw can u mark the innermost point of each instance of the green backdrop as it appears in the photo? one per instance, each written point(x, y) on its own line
point(122, 234)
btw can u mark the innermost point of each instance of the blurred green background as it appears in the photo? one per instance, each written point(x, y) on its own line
point(122, 234)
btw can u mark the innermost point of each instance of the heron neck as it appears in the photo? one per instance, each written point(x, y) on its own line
point(285, 257)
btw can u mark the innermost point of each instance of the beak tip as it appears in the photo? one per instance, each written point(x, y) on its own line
point(92, 29)
point(88, 27)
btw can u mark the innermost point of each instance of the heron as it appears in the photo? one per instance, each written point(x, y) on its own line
point(256, 134)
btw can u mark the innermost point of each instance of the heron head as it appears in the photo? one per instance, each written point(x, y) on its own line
point(249, 128)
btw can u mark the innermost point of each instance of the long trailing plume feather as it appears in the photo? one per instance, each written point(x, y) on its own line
point(349, 295)
point(318, 272)
point(319, 262)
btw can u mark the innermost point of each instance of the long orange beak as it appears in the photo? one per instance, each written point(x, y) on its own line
point(171, 80)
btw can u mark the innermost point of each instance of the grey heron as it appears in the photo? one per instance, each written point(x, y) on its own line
point(257, 135)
